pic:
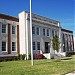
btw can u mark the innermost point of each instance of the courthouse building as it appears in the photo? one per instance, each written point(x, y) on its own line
point(15, 35)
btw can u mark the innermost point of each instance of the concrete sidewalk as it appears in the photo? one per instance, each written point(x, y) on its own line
point(72, 73)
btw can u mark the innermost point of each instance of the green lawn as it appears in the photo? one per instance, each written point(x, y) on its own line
point(41, 67)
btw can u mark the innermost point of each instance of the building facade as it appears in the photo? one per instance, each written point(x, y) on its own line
point(9, 35)
point(43, 30)
point(15, 36)
point(67, 41)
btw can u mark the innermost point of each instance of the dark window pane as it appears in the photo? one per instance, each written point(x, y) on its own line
point(13, 29)
point(3, 28)
point(47, 32)
point(13, 46)
point(34, 46)
point(37, 30)
point(43, 31)
point(33, 30)
point(38, 45)
point(3, 46)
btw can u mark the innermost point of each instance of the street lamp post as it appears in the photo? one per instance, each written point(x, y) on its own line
point(31, 34)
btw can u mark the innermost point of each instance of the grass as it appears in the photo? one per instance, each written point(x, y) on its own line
point(41, 67)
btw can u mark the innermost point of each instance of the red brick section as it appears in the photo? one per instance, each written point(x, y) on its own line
point(9, 39)
point(67, 30)
point(3, 16)
point(18, 46)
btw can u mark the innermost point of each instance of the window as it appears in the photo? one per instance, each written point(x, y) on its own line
point(13, 46)
point(3, 28)
point(37, 31)
point(38, 45)
point(13, 29)
point(43, 31)
point(52, 32)
point(47, 32)
point(56, 33)
point(3, 46)
point(33, 30)
point(34, 46)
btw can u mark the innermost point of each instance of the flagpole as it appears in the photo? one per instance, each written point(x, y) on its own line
point(31, 34)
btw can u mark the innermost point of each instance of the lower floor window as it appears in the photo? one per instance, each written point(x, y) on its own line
point(13, 46)
point(3, 46)
point(34, 46)
point(38, 45)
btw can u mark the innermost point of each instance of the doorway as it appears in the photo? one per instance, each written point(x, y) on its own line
point(47, 47)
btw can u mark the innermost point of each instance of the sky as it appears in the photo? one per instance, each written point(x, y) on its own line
point(60, 10)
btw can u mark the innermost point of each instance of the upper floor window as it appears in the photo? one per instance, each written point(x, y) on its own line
point(3, 46)
point(3, 28)
point(33, 30)
point(13, 46)
point(38, 45)
point(47, 32)
point(37, 30)
point(56, 33)
point(34, 47)
point(52, 32)
point(13, 29)
point(43, 31)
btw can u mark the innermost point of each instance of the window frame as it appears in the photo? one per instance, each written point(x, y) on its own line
point(13, 29)
point(37, 30)
point(38, 45)
point(34, 46)
point(4, 46)
point(48, 32)
point(44, 32)
point(52, 33)
point(33, 30)
point(13, 47)
point(3, 29)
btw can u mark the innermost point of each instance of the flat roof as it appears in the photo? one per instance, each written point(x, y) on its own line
point(12, 18)
point(65, 30)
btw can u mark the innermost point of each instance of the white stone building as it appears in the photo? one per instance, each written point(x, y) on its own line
point(43, 30)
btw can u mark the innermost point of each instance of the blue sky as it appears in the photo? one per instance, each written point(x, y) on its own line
point(61, 10)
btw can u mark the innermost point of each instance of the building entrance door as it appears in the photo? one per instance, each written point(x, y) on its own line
point(47, 47)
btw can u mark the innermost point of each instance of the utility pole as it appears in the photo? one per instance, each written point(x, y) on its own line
point(31, 33)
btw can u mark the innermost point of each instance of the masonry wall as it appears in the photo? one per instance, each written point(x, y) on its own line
point(8, 37)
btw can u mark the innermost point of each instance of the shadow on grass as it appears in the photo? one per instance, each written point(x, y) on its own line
point(67, 58)
point(1, 66)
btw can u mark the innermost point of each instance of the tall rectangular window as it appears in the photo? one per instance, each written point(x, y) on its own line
point(47, 32)
point(34, 47)
point(33, 30)
point(56, 33)
point(38, 45)
point(13, 46)
point(37, 31)
point(43, 31)
point(13, 29)
point(3, 46)
point(52, 32)
point(3, 28)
